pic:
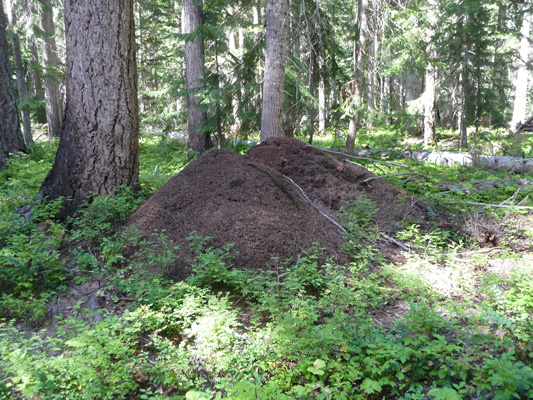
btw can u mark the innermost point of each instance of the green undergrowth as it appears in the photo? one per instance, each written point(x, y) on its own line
point(437, 325)
point(483, 141)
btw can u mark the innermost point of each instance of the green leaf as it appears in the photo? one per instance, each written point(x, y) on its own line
point(370, 386)
point(444, 394)
point(196, 395)
point(75, 343)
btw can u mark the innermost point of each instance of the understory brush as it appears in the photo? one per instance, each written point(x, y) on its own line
point(186, 341)
point(439, 324)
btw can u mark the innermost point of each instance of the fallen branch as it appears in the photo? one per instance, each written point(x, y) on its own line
point(372, 160)
point(302, 193)
point(485, 184)
point(398, 243)
point(508, 163)
point(473, 203)
point(388, 176)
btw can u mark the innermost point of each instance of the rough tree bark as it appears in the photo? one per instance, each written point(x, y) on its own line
point(275, 63)
point(12, 139)
point(54, 102)
point(99, 146)
point(194, 66)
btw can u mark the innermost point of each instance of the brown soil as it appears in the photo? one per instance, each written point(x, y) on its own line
point(330, 182)
point(234, 199)
point(248, 201)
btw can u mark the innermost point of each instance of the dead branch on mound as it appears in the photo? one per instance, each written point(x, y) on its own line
point(373, 161)
point(307, 199)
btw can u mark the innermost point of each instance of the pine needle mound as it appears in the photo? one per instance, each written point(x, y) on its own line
point(280, 198)
point(330, 182)
point(234, 199)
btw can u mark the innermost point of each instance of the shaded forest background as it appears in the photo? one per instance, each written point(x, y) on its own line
point(411, 64)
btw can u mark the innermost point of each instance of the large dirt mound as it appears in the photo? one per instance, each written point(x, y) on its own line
point(235, 199)
point(330, 182)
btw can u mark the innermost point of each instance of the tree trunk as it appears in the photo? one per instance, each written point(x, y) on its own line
point(429, 105)
point(275, 62)
point(520, 100)
point(54, 103)
point(322, 100)
point(414, 88)
point(19, 72)
point(461, 111)
point(199, 139)
point(429, 94)
point(500, 71)
point(13, 142)
point(21, 86)
point(99, 146)
point(360, 65)
point(38, 90)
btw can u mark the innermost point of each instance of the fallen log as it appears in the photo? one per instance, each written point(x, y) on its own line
point(484, 184)
point(507, 163)
point(526, 126)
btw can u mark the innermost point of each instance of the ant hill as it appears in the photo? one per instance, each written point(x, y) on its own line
point(281, 197)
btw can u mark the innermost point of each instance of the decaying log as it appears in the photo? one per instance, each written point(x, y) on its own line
point(484, 184)
point(526, 126)
point(507, 163)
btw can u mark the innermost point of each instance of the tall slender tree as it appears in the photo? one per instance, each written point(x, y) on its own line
point(520, 100)
point(99, 146)
point(19, 71)
point(54, 102)
point(429, 93)
point(199, 138)
point(12, 139)
point(360, 64)
point(275, 63)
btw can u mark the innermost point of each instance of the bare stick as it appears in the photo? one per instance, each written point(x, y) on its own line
point(302, 193)
point(473, 203)
point(374, 161)
point(401, 245)
point(388, 176)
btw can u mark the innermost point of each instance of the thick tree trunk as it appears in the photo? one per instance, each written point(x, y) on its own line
point(3, 151)
point(99, 146)
point(54, 102)
point(275, 62)
point(520, 100)
point(13, 142)
point(199, 139)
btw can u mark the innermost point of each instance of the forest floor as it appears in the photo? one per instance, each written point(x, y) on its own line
point(285, 272)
